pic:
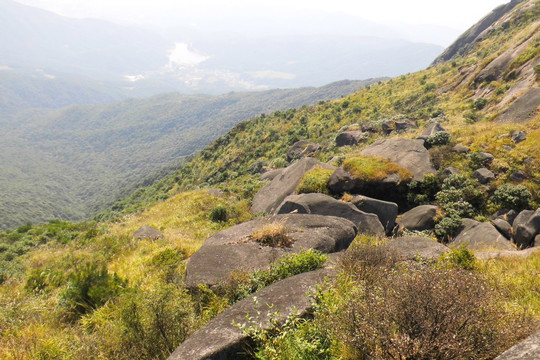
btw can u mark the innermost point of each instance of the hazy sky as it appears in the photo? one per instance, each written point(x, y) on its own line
point(458, 14)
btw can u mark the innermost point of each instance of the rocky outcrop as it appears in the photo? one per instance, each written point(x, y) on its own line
point(503, 226)
point(420, 218)
point(271, 174)
point(407, 153)
point(430, 130)
point(320, 204)
point(300, 149)
point(391, 126)
point(386, 211)
point(413, 247)
point(234, 249)
point(467, 41)
point(481, 236)
point(283, 185)
point(221, 339)
point(529, 349)
point(147, 232)
point(523, 109)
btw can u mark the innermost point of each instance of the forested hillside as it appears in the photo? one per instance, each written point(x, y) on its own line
point(73, 162)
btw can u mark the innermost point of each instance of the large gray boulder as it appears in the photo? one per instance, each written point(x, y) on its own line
point(413, 247)
point(503, 226)
point(220, 339)
point(321, 204)
point(525, 232)
point(529, 349)
point(284, 184)
point(481, 236)
point(386, 211)
point(147, 232)
point(419, 218)
point(234, 249)
point(407, 153)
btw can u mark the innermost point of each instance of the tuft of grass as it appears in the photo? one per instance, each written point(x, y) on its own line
point(372, 169)
point(273, 235)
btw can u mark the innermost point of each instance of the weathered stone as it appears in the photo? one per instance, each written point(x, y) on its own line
point(350, 138)
point(397, 125)
point(523, 109)
point(221, 339)
point(430, 130)
point(320, 204)
point(525, 232)
point(419, 218)
point(461, 149)
point(302, 148)
point(504, 227)
point(481, 236)
point(522, 218)
point(518, 136)
point(147, 232)
point(529, 349)
point(413, 247)
point(284, 184)
point(506, 215)
point(407, 153)
point(485, 157)
point(518, 176)
point(271, 174)
point(522, 254)
point(386, 211)
point(233, 249)
point(484, 175)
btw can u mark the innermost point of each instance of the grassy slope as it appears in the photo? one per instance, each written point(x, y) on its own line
point(30, 324)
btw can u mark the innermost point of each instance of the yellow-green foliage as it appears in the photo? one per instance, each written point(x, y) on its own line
point(519, 277)
point(372, 169)
point(315, 181)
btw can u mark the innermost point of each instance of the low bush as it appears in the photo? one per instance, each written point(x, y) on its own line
point(423, 192)
point(218, 214)
point(460, 257)
point(424, 312)
point(510, 196)
point(439, 138)
point(89, 287)
point(461, 196)
point(447, 228)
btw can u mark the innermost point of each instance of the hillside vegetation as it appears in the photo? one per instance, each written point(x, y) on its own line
point(91, 290)
point(73, 162)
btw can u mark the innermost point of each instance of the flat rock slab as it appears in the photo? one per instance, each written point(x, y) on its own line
point(529, 349)
point(412, 247)
point(522, 254)
point(233, 249)
point(321, 204)
point(407, 153)
point(221, 340)
point(284, 184)
point(523, 109)
point(481, 236)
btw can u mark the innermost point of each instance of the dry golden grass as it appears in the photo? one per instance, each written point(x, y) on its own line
point(273, 234)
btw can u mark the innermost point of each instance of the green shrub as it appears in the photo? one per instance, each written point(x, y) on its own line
point(439, 138)
point(510, 196)
point(447, 228)
point(480, 103)
point(218, 214)
point(315, 181)
point(460, 196)
point(42, 280)
point(459, 257)
point(423, 192)
point(89, 287)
